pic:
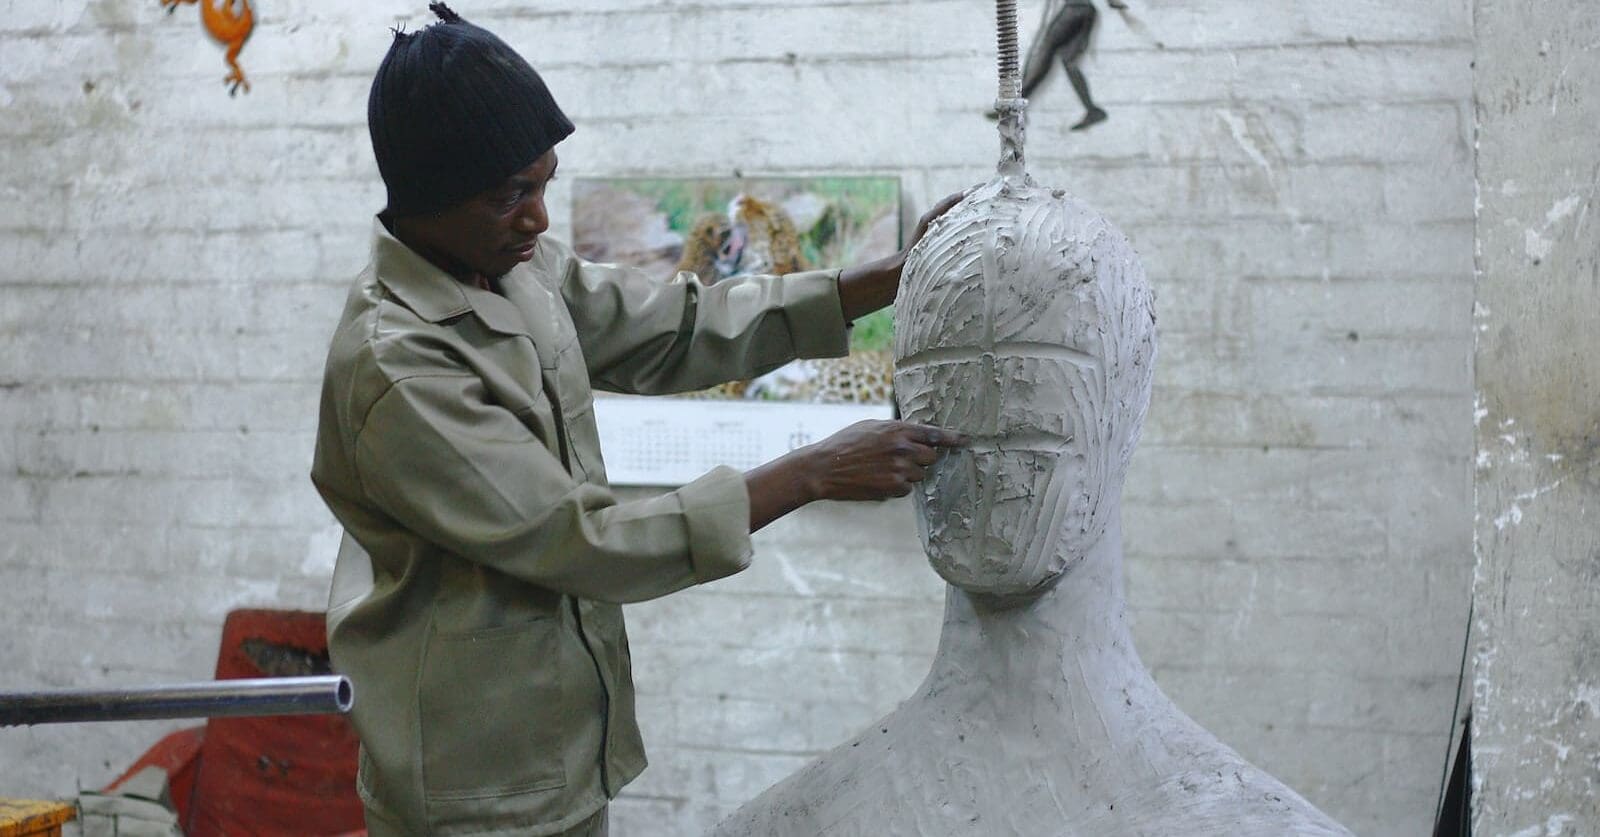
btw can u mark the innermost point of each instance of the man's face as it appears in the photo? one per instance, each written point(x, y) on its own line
point(493, 231)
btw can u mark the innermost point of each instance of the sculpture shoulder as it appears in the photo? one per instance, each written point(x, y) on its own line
point(915, 773)
point(843, 795)
point(851, 791)
point(1229, 798)
point(892, 780)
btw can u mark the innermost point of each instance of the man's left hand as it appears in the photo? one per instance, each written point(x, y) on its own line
point(866, 288)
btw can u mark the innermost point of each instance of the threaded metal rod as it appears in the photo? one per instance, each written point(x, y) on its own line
point(214, 699)
point(1010, 57)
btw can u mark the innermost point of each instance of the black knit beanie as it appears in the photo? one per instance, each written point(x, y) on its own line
point(454, 111)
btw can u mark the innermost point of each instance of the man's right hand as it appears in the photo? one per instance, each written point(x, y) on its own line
point(869, 460)
point(874, 460)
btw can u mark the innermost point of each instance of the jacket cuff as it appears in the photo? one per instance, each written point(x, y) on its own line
point(816, 317)
point(717, 509)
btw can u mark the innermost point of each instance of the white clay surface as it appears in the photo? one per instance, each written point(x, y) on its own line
point(1035, 721)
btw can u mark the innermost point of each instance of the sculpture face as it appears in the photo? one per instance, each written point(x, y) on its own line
point(1024, 321)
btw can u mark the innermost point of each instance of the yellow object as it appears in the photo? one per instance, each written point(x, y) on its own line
point(32, 818)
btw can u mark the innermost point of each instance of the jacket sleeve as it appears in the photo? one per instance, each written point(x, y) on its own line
point(471, 478)
point(641, 335)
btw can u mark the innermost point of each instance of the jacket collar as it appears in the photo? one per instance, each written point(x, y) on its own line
point(434, 294)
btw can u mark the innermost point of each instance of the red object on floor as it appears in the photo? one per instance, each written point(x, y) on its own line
point(178, 756)
point(288, 776)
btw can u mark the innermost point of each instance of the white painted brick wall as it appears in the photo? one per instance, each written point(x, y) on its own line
point(1297, 175)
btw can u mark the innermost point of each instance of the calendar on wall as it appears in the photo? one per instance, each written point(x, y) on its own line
point(672, 441)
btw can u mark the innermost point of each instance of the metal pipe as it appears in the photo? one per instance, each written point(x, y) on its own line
point(213, 699)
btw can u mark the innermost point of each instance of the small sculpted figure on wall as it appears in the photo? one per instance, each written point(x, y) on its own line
point(1064, 37)
point(230, 23)
point(1025, 321)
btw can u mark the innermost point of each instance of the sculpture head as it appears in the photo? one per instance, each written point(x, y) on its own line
point(1024, 321)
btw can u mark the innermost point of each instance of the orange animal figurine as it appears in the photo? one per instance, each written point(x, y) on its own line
point(229, 23)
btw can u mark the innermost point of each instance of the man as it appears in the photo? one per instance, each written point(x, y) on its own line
point(476, 598)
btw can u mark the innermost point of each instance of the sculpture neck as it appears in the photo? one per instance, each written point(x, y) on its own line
point(1013, 115)
point(1070, 646)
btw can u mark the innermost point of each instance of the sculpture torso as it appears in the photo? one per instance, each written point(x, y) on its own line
point(1036, 721)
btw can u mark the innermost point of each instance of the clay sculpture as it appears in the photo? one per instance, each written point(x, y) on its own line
point(1025, 321)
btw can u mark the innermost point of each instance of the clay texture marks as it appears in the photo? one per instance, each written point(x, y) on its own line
point(1026, 322)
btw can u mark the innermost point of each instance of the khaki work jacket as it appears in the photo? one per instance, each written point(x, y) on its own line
point(476, 597)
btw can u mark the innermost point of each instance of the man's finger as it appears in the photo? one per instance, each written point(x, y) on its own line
point(939, 437)
point(923, 455)
point(944, 205)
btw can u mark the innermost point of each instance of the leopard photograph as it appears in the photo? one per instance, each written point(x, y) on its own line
point(725, 227)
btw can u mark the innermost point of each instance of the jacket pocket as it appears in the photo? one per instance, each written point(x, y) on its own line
point(488, 705)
